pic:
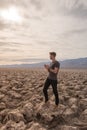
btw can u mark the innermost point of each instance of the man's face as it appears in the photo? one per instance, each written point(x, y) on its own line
point(51, 57)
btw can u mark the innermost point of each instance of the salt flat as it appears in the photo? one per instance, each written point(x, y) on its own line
point(22, 101)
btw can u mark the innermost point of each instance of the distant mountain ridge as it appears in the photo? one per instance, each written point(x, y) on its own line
point(80, 63)
point(74, 63)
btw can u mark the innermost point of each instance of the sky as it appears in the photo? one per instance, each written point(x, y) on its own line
point(30, 29)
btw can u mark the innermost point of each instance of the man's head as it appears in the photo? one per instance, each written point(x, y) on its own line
point(52, 55)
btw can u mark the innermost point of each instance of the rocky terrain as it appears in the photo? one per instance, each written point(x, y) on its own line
point(22, 102)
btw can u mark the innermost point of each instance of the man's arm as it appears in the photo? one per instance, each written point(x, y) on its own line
point(55, 70)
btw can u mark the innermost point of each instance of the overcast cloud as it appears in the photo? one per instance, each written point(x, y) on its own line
point(47, 25)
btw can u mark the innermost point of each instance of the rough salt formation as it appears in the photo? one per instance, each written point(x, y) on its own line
point(10, 125)
point(22, 104)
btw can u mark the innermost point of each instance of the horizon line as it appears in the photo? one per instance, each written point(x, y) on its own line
point(26, 63)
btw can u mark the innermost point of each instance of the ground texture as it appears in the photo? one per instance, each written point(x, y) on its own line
point(22, 102)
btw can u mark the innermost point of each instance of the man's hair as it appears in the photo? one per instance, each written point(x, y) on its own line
point(53, 53)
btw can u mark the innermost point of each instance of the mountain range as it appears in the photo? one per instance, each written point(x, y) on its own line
point(80, 63)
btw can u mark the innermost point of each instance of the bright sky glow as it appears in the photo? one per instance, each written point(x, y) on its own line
point(11, 14)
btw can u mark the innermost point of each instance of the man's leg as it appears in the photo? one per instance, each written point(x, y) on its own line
point(55, 91)
point(46, 86)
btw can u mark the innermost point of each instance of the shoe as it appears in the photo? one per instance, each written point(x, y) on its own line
point(47, 103)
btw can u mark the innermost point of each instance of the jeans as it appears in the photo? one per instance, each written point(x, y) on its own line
point(53, 83)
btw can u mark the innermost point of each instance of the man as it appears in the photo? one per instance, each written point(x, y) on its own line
point(53, 70)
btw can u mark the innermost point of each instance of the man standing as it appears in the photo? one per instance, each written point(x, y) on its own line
point(53, 70)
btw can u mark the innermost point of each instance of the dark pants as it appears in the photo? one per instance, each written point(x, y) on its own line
point(53, 83)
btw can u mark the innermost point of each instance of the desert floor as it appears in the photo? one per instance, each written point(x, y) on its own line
point(22, 101)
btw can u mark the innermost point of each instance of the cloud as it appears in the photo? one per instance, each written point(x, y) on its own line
point(75, 32)
point(79, 11)
point(29, 60)
point(2, 24)
point(37, 4)
point(47, 25)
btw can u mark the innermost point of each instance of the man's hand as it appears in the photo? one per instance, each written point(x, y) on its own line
point(46, 67)
point(55, 70)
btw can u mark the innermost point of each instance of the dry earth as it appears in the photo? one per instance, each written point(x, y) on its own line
point(21, 100)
